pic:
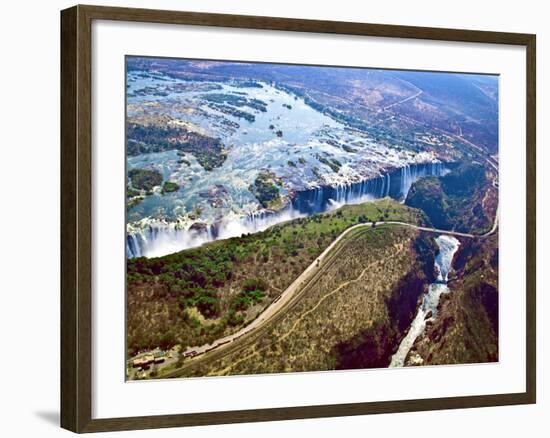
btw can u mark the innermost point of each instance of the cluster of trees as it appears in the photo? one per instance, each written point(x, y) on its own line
point(191, 277)
point(253, 291)
point(194, 277)
point(238, 101)
point(248, 84)
point(147, 179)
point(142, 139)
point(144, 179)
point(265, 188)
point(170, 187)
point(226, 109)
point(185, 281)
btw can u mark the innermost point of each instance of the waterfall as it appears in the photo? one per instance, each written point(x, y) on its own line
point(410, 174)
point(395, 184)
point(159, 239)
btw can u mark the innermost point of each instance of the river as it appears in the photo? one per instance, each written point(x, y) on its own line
point(427, 311)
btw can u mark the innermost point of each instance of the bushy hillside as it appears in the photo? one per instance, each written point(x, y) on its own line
point(352, 315)
point(458, 201)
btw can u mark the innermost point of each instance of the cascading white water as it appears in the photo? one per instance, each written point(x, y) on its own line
point(410, 174)
point(158, 239)
point(427, 311)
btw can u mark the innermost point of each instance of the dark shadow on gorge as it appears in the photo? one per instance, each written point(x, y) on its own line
point(455, 201)
point(373, 347)
point(466, 330)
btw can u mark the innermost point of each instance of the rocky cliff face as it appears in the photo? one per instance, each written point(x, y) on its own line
point(427, 194)
point(466, 330)
point(460, 200)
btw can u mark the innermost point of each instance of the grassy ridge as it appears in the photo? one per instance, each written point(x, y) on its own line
point(198, 295)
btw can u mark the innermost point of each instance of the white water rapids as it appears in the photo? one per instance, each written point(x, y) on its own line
point(448, 246)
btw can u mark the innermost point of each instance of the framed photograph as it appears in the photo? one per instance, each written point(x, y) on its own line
point(269, 218)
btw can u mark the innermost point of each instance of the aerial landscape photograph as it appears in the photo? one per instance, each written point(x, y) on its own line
point(297, 218)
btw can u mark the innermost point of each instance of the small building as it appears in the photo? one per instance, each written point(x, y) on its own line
point(143, 361)
point(159, 357)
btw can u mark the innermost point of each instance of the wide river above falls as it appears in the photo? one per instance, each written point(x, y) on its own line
point(319, 163)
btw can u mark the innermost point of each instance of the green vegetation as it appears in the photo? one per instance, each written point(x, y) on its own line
point(235, 100)
point(253, 292)
point(226, 109)
point(143, 139)
point(266, 188)
point(457, 200)
point(168, 289)
point(170, 187)
point(428, 195)
point(130, 192)
point(145, 179)
point(247, 84)
point(134, 201)
point(188, 298)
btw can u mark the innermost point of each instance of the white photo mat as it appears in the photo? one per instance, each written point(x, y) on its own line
point(112, 396)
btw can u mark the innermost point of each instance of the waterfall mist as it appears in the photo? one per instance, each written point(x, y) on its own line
point(155, 240)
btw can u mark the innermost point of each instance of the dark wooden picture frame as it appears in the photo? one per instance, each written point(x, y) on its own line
point(76, 218)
